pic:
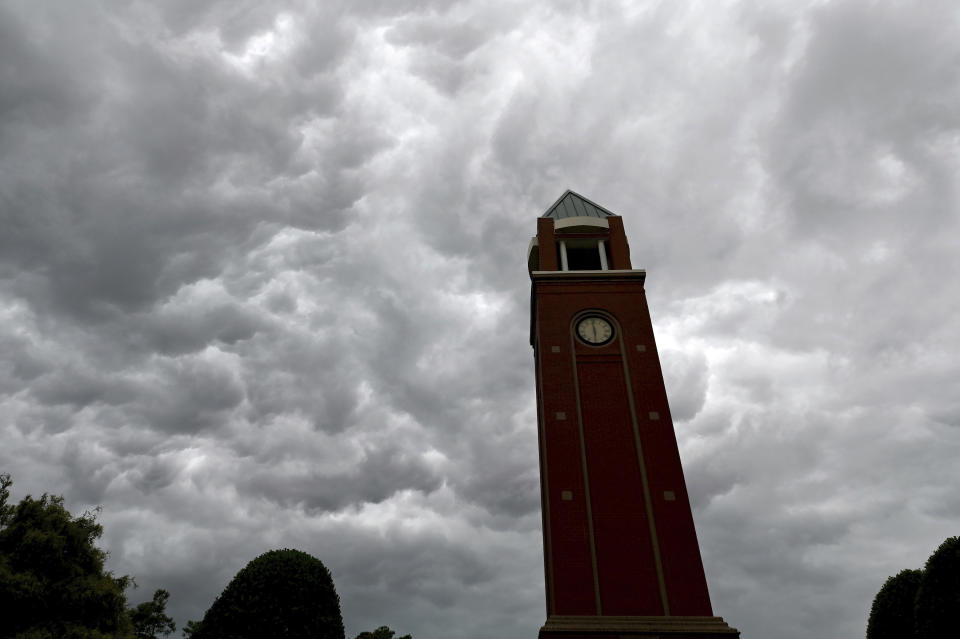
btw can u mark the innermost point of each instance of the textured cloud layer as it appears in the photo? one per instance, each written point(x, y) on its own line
point(262, 285)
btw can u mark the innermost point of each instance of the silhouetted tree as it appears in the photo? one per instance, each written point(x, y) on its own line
point(891, 616)
point(383, 632)
point(938, 597)
point(149, 618)
point(52, 578)
point(283, 594)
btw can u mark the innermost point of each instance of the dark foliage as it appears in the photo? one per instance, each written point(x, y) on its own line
point(891, 616)
point(383, 632)
point(149, 618)
point(938, 598)
point(282, 593)
point(52, 578)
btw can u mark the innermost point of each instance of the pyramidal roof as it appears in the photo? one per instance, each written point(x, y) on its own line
point(573, 204)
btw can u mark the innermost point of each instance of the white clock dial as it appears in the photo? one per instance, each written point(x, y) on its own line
point(594, 330)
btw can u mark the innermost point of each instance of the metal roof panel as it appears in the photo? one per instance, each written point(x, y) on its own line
point(572, 204)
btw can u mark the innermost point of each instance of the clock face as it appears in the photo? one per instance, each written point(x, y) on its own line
point(594, 330)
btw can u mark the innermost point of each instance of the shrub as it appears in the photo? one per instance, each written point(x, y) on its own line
point(282, 593)
point(938, 597)
point(891, 616)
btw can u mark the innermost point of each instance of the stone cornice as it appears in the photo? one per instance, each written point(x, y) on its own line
point(582, 276)
point(653, 626)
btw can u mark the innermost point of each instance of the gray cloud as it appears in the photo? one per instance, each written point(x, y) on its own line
point(261, 285)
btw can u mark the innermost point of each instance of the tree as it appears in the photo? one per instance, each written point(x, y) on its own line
point(383, 632)
point(149, 618)
point(52, 578)
point(938, 597)
point(282, 593)
point(891, 616)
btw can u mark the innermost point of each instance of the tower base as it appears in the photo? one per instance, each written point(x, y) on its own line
point(588, 627)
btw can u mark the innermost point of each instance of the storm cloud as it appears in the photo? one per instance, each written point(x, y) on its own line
point(262, 285)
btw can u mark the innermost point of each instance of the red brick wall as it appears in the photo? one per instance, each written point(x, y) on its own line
point(626, 570)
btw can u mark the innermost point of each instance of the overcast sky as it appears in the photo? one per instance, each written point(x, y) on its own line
point(263, 284)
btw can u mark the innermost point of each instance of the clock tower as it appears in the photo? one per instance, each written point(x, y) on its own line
point(620, 551)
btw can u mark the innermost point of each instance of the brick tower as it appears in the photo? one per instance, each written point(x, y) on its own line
point(620, 551)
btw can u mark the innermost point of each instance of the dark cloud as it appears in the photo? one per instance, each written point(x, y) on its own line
point(261, 285)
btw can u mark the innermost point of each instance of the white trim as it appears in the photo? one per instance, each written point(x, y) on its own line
point(582, 220)
point(563, 256)
point(613, 274)
point(601, 246)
